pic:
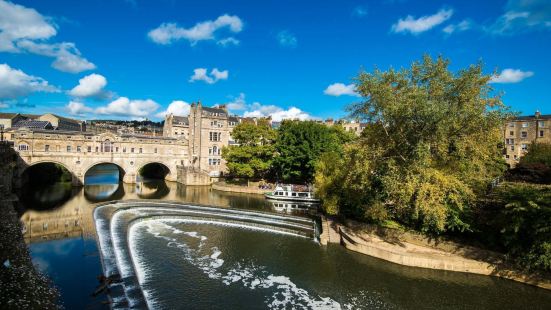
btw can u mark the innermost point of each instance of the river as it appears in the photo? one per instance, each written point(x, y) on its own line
point(196, 266)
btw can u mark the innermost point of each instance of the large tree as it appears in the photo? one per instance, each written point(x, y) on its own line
point(253, 155)
point(432, 144)
point(301, 143)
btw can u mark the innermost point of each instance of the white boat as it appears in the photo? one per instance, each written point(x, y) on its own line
point(288, 193)
point(293, 207)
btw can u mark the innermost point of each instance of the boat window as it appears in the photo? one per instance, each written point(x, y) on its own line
point(303, 194)
point(294, 194)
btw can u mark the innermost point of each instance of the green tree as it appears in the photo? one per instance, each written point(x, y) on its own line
point(534, 166)
point(520, 224)
point(301, 143)
point(432, 145)
point(254, 154)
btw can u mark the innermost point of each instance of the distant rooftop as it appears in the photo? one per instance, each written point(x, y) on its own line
point(33, 124)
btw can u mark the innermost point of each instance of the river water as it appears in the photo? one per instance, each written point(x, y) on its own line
point(186, 265)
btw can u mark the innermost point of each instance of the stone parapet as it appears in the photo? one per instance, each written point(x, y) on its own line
point(223, 186)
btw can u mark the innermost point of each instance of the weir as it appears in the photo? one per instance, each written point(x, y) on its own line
point(115, 222)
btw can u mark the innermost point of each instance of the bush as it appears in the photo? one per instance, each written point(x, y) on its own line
point(517, 220)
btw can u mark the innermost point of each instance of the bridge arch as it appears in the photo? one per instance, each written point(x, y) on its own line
point(25, 170)
point(162, 172)
point(122, 171)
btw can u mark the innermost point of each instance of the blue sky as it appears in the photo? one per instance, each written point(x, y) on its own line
point(137, 59)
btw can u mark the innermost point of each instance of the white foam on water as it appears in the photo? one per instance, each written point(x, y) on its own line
point(239, 215)
point(287, 294)
point(102, 228)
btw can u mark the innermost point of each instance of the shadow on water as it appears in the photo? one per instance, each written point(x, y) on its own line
point(46, 197)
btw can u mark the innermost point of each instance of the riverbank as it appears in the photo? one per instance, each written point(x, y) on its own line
point(226, 187)
point(22, 286)
point(415, 250)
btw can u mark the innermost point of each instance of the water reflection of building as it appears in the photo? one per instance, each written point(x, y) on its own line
point(73, 219)
point(74, 216)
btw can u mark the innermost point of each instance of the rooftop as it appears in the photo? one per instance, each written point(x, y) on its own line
point(32, 124)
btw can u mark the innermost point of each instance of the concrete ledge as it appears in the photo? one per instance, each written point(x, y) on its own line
point(223, 186)
point(414, 255)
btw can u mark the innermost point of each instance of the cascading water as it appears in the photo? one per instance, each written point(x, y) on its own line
point(120, 228)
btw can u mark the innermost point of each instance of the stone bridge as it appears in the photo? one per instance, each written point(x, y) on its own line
point(80, 151)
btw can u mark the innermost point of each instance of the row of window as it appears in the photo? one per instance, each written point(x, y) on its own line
point(215, 150)
point(25, 147)
point(215, 161)
point(524, 134)
point(217, 124)
point(523, 147)
point(215, 136)
point(526, 125)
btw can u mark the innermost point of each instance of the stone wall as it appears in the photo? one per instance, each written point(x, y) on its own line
point(223, 186)
point(7, 164)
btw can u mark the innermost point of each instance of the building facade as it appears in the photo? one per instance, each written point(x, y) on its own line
point(208, 130)
point(522, 131)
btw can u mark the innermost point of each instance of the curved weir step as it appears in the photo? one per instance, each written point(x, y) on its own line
point(114, 221)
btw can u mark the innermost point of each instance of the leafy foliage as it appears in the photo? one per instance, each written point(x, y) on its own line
point(520, 224)
point(535, 166)
point(431, 146)
point(301, 143)
point(254, 155)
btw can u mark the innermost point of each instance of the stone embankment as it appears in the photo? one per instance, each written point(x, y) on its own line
point(21, 285)
point(415, 250)
point(223, 186)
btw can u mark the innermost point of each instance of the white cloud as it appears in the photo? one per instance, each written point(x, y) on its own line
point(511, 76)
point(78, 108)
point(90, 86)
point(340, 89)
point(462, 26)
point(176, 107)
point(522, 15)
point(421, 24)
point(278, 114)
point(228, 41)
point(287, 39)
point(18, 22)
point(132, 108)
point(257, 109)
point(200, 74)
point(67, 56)
point(15, 83)
point(168, 33)
point(4, 105)
point(20, 30)
point(237, 104)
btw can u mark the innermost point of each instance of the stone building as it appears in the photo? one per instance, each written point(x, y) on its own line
point(209, 132)
point(521, 131)
point(355, 127)
point(208, 129)
point(176, 126)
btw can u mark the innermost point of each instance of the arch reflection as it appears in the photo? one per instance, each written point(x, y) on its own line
point(152, 189)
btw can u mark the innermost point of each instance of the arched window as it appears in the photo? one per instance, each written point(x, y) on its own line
point(23, 147)
point(106, 146)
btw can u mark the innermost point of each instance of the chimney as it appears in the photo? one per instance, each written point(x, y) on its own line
point(538, 114)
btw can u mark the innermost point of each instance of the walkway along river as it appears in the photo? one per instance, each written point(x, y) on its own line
point(184, 264)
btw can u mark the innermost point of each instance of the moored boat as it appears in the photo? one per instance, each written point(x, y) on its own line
point(291, 193)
